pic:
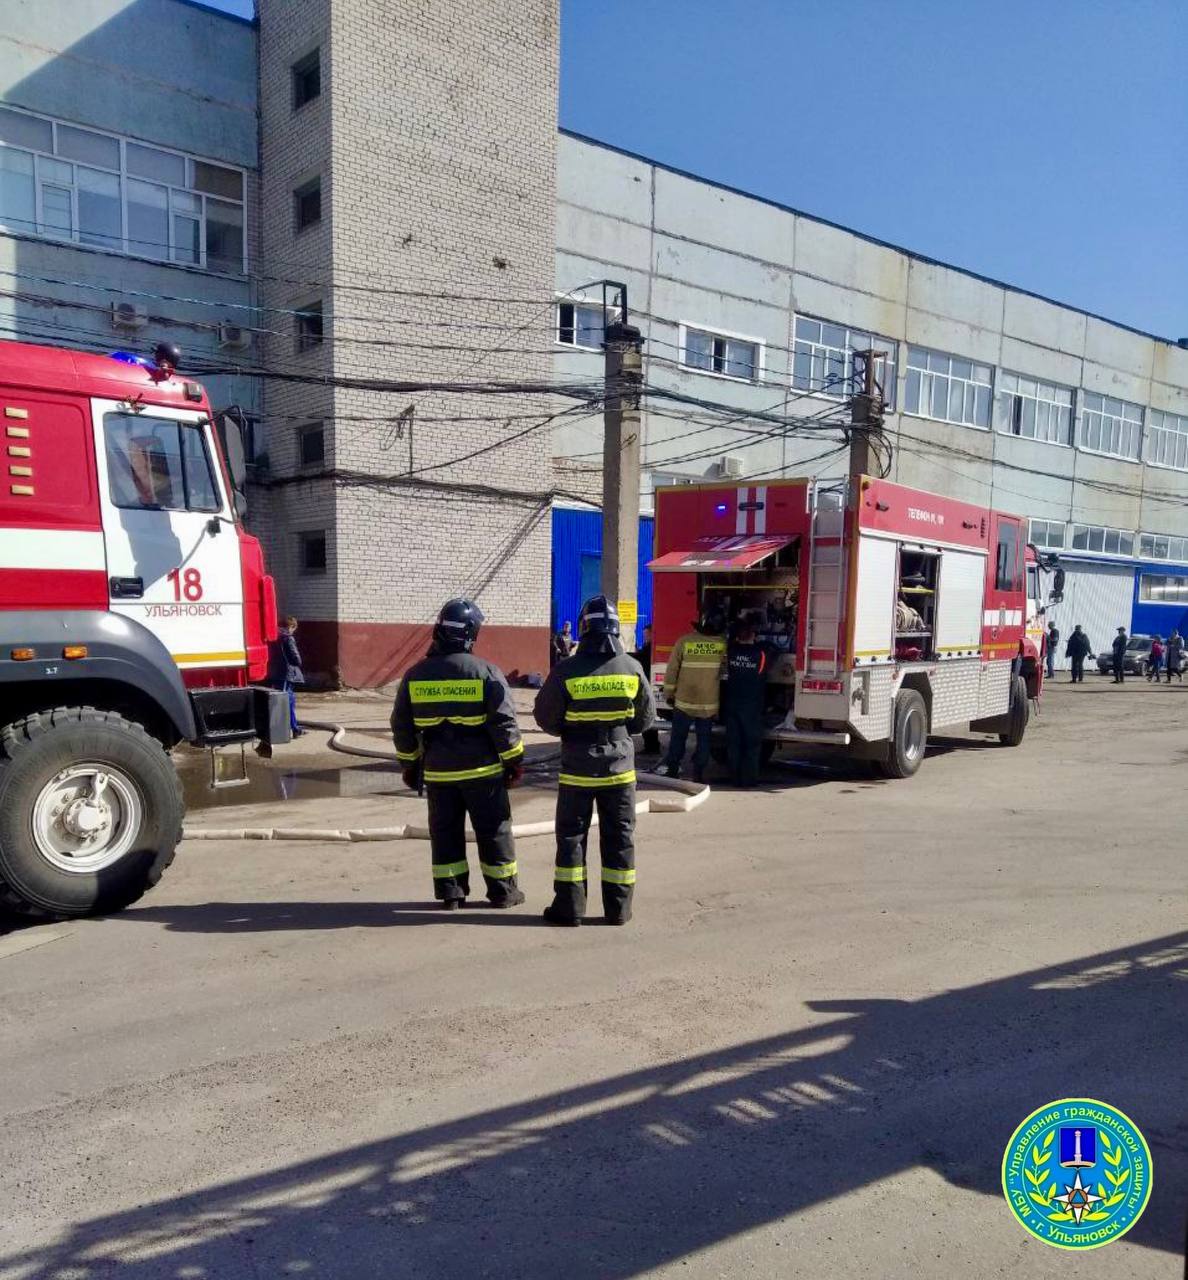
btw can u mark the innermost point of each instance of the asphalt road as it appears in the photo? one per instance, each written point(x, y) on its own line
point(802, 1059)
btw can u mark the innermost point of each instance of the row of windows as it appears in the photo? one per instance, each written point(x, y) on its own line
point(937, 385)
point(78, 185)
point(1157, 588)
point(1054, 535)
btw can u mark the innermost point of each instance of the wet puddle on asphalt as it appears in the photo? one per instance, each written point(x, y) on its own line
point(269, 783)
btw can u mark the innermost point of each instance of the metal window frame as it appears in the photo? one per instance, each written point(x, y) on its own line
point(847, 352)
point(758, 366)
point(124, 248)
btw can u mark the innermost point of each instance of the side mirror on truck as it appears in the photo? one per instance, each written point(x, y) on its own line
point(232, 427)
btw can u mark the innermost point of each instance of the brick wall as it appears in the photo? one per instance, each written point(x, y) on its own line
point(435, 136)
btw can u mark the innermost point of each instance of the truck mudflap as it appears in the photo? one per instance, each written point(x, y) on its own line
point(225, 716)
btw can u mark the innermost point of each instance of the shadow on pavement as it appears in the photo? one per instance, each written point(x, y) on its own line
point(613, 1179)
point(278, 917)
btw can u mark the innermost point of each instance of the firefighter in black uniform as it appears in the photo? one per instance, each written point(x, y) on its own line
point(746, 678)
point(595, 701)
point(455, 729)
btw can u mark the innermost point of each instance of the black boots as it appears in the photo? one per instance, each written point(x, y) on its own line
point(513, 899)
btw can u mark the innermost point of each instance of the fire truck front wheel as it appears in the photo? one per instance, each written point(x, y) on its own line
point(909, 735)
point(1017, 715)
point(90, 812)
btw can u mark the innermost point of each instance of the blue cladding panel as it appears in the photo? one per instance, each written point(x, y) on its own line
point(577, 536)
point(1149, 619)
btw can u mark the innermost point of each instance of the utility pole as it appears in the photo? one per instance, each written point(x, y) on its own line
point(866, 415)
point(620, 472)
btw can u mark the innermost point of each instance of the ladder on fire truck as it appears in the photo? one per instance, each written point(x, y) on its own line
point(826, 576)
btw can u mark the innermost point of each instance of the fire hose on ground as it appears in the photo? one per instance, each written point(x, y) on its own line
point(688, 795)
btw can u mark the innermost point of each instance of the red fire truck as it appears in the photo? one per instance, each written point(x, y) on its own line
point(135, 614)
point(891, 613)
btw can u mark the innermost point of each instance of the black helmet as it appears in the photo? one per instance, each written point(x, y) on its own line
point(598, 618)
point(167, 353)
point(458, 625)
point(713, 621)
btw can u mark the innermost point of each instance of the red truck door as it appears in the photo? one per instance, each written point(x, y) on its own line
point(1004, 608)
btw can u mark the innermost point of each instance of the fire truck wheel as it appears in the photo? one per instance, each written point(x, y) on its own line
point(90, 812)
point(1018, 714)
point(909, 737)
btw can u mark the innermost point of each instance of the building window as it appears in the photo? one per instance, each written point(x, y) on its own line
point(823, 359)
point(1047, 534)
point(307, 79)
point(311, 545)
point(1033, 409)
point(107, 192)
point(1111, 426)
point(1158, 546)
point(310, 330)
point(1095, 537)
point(1155, 588)
point(307, 204)
point(947, 387)
point(580, 325)
point(1167, 440)
point(721, 353)
point(311, 444)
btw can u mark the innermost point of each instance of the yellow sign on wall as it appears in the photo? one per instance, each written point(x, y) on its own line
point(628, 611)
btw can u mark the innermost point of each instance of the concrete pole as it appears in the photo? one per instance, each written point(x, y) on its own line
point(866, 416)
point(620, 474)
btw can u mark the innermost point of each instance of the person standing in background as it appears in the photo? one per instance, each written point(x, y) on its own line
point(563, 644)
point(692, 686)
point(1155, 663)
point(746, 679)
point(643, 655)
point(287, 672)
point(1053, 640)
point(1077, 650)
point(1119, 652)
point(1175, 657)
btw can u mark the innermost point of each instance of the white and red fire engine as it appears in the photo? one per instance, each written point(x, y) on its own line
point(135, 614)
point(891, 613)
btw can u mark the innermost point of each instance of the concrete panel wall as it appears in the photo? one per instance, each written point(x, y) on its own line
point(719, 260)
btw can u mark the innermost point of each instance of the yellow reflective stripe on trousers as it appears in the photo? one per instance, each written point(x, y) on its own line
point(512, 752)
point(569, 875)
point(498, 870)
point(615, 684)
point(462, 775)
point(613, 875)
point(427, 722)
point(408, 757)
point(603, 717)
point(445, 690)
point(612, 780)
point(443, 870)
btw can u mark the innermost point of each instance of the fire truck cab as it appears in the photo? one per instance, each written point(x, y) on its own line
point(889, 613)
point(135, 614)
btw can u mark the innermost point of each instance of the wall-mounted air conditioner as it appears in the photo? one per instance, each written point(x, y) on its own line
point(234, 337)
point(128, 315)
point(730, 466)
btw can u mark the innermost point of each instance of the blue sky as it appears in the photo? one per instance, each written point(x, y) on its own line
point(1041, 142)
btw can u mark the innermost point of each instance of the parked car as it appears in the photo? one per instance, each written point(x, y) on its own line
point(1135, 661)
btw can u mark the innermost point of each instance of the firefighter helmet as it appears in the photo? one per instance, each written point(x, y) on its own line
point(458, 624)
point(598, 617)
point(713, 621)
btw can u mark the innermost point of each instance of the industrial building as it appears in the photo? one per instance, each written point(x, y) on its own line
point(321, 204)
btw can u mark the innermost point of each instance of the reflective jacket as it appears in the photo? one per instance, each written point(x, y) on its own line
point(454, 711)
point(691, 679)
point(594, 702)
